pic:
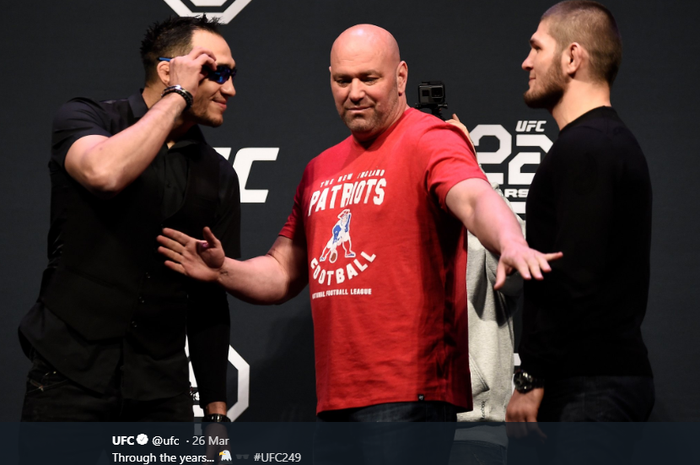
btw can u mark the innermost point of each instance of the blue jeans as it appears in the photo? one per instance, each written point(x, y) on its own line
point(609, 405)
point(400, 433)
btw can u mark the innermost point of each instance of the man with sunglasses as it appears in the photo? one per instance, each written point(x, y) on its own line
point(107, 334)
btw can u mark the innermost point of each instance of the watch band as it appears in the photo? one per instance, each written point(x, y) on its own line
point(181, 91)
point(525, 382)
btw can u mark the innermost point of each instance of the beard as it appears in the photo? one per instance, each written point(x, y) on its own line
point(201, 113)
point(365, 124)
point(381, 113)
point(550, 92)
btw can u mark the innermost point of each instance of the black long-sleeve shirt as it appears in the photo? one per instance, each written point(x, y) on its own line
point(591, 199)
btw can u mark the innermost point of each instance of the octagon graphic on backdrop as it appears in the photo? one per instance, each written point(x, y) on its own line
point(212, 8)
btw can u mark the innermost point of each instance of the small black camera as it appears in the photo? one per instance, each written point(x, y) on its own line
point(431, 95)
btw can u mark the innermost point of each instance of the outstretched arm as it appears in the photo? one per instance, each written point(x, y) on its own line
point(268, 279)
point(487, 216)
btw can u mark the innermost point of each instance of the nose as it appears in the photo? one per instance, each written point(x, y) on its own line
point(527, 64)
point(227, 88)
point(357, 91)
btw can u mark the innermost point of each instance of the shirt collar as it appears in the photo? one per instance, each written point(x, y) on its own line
point(138, 105)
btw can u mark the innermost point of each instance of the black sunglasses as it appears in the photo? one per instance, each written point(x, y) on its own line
point(219, 75)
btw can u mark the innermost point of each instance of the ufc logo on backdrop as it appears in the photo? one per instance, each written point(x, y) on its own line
point(242, 164)
point(506, 169)
point(223, 10)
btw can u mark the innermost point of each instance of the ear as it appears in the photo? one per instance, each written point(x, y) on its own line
point(574, 58)
point(402, 77)
point(163, 70)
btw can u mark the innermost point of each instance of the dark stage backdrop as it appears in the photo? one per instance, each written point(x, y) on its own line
point(284, 115)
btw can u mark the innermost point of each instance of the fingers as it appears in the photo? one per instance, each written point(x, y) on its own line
point(534, 265)
point(170, 244)
point(170, 254)
point(530, 264)
point(204, 56)
point(177, 236)
point(182, 238)
point(455, 117)
point(540, 263)
point(188, 70)
point(501, 273)
point(210, 237)
point(523, 268)
point(175, 267)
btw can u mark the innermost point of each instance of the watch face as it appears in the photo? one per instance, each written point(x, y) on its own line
point(523, 382)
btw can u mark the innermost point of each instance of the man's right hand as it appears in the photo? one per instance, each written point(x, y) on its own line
point(201, 260)
point(188, 70)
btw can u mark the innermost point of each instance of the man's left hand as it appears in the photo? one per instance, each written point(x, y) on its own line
point(528, 262)
point(521, 414)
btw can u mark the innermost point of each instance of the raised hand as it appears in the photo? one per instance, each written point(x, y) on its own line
point(188, 70)
point(201, 260)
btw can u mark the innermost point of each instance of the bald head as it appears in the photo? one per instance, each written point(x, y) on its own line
point(367, 39)
point(368, 80)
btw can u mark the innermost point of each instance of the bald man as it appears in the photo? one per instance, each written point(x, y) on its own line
point(378, 233)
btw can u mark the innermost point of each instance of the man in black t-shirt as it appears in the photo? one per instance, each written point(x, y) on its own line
point(107, 334)
point(583, 357)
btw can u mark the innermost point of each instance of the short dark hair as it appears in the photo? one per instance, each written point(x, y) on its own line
point(593, 26)
point(172, 37)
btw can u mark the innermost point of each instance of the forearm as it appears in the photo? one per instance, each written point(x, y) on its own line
point(485, 214)
point(109, 165)
point(260, 280)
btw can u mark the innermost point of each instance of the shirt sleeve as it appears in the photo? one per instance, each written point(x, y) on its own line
point(77, 118)
point(450, 160)
point(209, 325)
point(228, 216)
point(294, 227)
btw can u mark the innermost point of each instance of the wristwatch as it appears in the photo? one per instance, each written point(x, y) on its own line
point(525, 382)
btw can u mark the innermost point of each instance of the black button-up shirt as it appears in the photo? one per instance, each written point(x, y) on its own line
point(95, 364)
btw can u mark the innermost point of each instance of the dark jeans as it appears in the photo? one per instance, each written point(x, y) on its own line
point(50, 396)
point(401, 433)
point(605, 400)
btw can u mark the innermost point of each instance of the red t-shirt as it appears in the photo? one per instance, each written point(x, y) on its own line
point(387, 266)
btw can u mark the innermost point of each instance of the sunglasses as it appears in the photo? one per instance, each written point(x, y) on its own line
point(219, 75)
